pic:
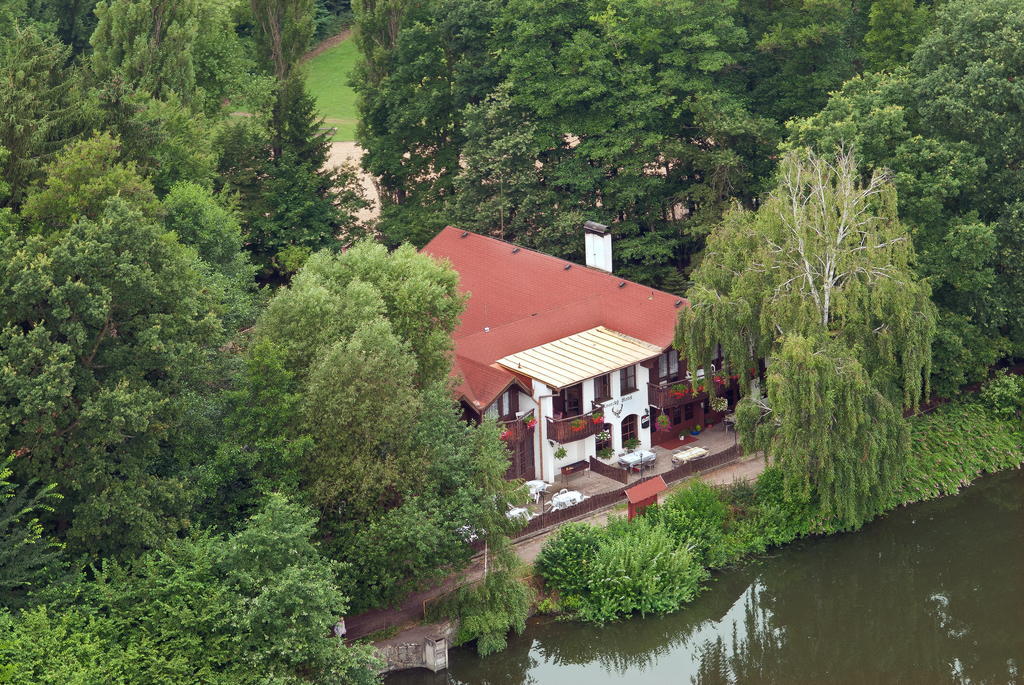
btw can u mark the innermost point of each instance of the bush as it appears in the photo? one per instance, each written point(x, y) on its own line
point(627, 568)
point(696, 516)
point(486, 612)
point(639, 568)
point(777, 517)
point(954, 445)
point(1004, 396)
point(564, 561)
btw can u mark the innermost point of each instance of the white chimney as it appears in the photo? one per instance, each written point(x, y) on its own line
point(598, 245)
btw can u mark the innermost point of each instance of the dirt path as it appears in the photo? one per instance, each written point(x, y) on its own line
point(327, 44)
point(350, 152)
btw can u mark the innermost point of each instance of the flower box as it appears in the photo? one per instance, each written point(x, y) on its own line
point(679, 390)
point(577, 425)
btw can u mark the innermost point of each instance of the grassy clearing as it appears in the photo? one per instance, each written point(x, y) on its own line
point(327, 77)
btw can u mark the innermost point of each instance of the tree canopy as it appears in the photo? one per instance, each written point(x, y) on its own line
point(819, 282)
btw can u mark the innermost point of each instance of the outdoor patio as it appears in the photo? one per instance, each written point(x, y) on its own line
point(715, 439)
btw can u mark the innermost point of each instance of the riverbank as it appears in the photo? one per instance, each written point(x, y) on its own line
point(662, 562)
point(698, 530)
point(403, 623)
point(916, 596)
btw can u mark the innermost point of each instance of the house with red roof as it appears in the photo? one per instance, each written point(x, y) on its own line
point(573, 361)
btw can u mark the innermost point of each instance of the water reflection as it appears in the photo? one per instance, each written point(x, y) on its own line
point(930, 594)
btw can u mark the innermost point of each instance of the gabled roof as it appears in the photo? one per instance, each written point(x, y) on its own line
point(520, 299)
point(481, 384)
point(646, 489)
point(577, 357)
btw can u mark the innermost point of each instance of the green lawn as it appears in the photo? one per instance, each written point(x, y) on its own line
point(327, 79)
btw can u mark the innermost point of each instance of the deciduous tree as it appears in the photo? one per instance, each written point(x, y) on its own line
point(819, 282)
point(29, 558)
point(254, 605)
point(108, 329)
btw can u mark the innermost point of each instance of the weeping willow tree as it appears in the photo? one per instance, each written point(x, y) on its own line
point(818, 282)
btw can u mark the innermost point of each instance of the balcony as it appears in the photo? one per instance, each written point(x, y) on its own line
point(573, 428)
point(518, 430)
point(672, 394)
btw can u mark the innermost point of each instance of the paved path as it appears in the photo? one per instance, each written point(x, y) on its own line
point(411, 611)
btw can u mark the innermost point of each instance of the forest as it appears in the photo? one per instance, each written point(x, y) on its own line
point(226, 417)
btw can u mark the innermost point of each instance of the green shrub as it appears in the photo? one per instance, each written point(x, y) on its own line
point(487, 611)
point(640, 568)
point(778, 517)
point(549, 605)
point(627, 568)
point(1004, 396)
point(954, 445)
point(564, 561)
point(695, 516)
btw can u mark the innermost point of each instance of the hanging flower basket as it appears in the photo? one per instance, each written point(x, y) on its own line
point(663, 422)
point(597, 418)
point(577, 425)
point(603, 436)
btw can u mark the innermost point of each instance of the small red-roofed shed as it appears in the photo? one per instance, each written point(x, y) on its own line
point(643, 495)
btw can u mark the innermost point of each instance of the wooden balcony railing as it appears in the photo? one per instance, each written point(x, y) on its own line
point(575, 428)
point(667, 395)
point(672, 394)
point(519, 429)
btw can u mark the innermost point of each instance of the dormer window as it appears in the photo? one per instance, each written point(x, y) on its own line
point(507, 404)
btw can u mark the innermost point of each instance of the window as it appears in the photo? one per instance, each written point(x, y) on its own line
point(508, 403)
point(603, 387)
point(571, 399)
point(668, 366)
point(629, 430)
point(627, 380)
point(688, 411)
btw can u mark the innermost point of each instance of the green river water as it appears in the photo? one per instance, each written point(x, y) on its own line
point(931, 593)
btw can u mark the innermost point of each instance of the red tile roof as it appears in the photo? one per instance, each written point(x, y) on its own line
point(645, 490)
point(520, 298)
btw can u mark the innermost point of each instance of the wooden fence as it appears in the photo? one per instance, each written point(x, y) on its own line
point(413, 607)
point(609, 471)
point(607, 499)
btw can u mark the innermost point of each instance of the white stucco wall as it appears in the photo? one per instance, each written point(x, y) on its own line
point(615, 409)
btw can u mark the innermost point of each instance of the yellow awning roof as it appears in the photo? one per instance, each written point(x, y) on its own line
point(580, 356)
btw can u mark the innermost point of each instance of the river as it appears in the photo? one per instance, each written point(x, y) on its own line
point(931, 593)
